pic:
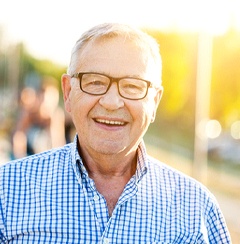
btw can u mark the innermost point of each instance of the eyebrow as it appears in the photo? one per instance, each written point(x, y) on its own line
point(117, 77)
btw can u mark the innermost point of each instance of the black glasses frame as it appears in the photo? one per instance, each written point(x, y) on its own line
point(112, 79)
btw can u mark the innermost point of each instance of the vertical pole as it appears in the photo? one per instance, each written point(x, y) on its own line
point(203, 88)
point(13, 73)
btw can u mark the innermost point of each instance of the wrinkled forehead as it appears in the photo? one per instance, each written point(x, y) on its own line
point(144, 42)
point(116, 44)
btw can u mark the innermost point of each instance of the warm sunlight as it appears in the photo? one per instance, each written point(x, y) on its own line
point(197, 125)
point(47, 27)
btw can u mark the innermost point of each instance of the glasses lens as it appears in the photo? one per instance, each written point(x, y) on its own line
point(94, 83)
point(133, 88)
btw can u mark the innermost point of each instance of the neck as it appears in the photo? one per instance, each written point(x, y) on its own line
point(110, 172)
point(110, 165)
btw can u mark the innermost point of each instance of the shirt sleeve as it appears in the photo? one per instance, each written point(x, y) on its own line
point(216, 225)
point(2, 222)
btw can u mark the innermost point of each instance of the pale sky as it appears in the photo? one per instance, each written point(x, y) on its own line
point(49, 28)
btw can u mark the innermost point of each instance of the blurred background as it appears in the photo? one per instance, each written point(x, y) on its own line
point(197, 129)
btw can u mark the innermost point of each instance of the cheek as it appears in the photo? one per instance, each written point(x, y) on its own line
point(81, 105)
point(77, 108)
point(150, 111)
point(79, 112)
point(143, 114)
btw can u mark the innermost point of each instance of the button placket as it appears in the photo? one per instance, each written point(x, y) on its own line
point(106, 241)
point(95, 197)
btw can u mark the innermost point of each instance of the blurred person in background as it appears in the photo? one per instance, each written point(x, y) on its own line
point(104, 187)
point(40, 125)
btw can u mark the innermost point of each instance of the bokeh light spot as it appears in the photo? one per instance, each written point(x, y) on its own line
point(213, 129)
point(235, 130)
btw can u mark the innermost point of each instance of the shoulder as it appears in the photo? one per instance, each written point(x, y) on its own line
point(177, 183)
point(182, 191)
point(187, 200)
point(37, 162)
point(162, 168)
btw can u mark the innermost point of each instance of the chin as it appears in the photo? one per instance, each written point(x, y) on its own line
point(109, 147)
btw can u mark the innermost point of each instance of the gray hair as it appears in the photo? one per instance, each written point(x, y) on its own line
point(109, 30)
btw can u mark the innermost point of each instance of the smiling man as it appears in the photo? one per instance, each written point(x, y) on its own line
point(104, 187)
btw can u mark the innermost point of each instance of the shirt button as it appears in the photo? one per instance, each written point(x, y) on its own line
point(106, 241)
point(95, 198)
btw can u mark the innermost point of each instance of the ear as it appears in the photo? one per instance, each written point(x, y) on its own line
point(157, 100)
point(66, 89)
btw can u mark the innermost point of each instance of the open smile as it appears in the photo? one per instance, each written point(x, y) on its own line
point(110, 122)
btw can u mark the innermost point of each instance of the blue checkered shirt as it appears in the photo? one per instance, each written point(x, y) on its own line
point(49, 198)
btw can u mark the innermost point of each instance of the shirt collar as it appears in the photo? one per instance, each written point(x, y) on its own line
point(77, 163)
point(142, 160)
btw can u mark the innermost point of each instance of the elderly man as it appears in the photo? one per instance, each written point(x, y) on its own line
point(104, 187)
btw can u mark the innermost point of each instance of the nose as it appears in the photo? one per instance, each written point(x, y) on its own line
point(112, 100)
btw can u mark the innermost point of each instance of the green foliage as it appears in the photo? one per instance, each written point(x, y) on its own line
point(16, 60)
point(48, 68)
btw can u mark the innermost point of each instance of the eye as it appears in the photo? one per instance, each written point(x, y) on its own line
point(133, 85)
point(96, 82)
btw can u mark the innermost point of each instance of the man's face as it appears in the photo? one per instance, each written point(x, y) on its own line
point(109, 124)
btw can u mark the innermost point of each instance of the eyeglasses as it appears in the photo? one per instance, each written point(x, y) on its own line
point(98, 84)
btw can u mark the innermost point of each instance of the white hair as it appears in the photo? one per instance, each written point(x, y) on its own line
point(110, 30)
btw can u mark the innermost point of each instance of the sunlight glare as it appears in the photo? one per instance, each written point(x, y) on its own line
point(50, 30)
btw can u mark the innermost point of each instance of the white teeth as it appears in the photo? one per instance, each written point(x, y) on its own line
point(110, 122)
